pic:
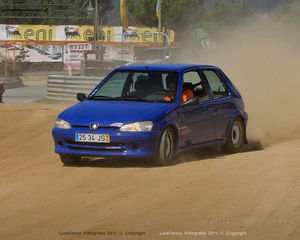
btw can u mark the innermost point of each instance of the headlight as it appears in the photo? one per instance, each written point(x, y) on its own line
point(62, 124)
point(145, 126)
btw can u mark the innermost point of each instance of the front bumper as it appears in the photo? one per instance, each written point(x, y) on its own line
point(126, 144)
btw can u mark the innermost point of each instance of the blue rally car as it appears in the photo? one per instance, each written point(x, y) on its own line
point(153, 111)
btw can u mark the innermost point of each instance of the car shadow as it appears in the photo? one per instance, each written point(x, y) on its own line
point(188, 156)
point(102, 162)
point(212, 153)
point(198, 155)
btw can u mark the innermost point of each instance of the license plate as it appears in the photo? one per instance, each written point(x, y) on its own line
point(85, 137)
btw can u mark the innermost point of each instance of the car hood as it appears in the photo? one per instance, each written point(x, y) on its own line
point(109, 113)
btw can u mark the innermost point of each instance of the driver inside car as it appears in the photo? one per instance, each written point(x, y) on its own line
point(171, 82)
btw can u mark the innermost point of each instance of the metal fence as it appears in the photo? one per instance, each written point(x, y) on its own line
point(60, 87)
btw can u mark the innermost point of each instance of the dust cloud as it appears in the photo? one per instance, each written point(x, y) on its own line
point(262, 58)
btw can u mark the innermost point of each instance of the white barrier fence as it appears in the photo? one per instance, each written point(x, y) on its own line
point(60, 87)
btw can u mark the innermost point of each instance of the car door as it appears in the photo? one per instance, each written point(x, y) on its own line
point(197, 123)
point(221, 100)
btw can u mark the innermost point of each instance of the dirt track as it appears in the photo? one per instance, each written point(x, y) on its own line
point(204, 195)
point(250, 195)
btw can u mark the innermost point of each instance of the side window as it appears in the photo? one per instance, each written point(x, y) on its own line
point(191, 77)
point(217, 85)
point(164, 80)
point(192, 81)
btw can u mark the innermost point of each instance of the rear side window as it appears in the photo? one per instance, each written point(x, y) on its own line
point(216, 84)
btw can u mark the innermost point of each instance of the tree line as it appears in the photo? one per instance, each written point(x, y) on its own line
point(182, 16)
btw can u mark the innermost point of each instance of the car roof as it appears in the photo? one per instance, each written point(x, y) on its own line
point(164, 66)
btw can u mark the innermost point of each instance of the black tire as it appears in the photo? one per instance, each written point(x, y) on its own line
point(166, 148)
point(70, 160)
point(236, 137)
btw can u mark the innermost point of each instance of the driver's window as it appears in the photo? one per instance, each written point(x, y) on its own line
point(192, 81)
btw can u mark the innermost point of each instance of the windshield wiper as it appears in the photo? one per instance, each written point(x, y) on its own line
point(125, 98)
point(132, 98)
point(101, 97)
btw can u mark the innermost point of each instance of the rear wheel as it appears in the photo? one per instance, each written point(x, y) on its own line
point(166, 149)
point(70, 160)
point(236, 136)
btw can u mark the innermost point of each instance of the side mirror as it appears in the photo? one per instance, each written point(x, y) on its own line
point(191, 102)
point(81, 97)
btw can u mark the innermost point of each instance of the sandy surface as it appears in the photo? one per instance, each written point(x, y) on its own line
point(204, 195)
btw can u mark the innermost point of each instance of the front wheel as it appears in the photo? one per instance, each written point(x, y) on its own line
point(70, 160)
point(166, 149)
point(236, 136)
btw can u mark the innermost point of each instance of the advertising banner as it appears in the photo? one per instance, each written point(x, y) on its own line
point(78, 33)
point(73, 33)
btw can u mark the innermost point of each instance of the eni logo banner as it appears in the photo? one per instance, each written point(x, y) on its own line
point(78, 33)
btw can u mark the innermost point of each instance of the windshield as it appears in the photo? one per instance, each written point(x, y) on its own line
point(152, 86)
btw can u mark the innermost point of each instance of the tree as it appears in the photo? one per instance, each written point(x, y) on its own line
point(178, 15)
point(143, 12)
point(225, 15)
point(53, 12)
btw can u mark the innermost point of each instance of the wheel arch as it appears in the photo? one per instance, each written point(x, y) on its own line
point(171, 123)
point(244, 117)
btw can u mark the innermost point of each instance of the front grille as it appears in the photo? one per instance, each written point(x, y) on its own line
point(111, 144)
point(98, 149)
point(100, 127)
point(92, 146)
